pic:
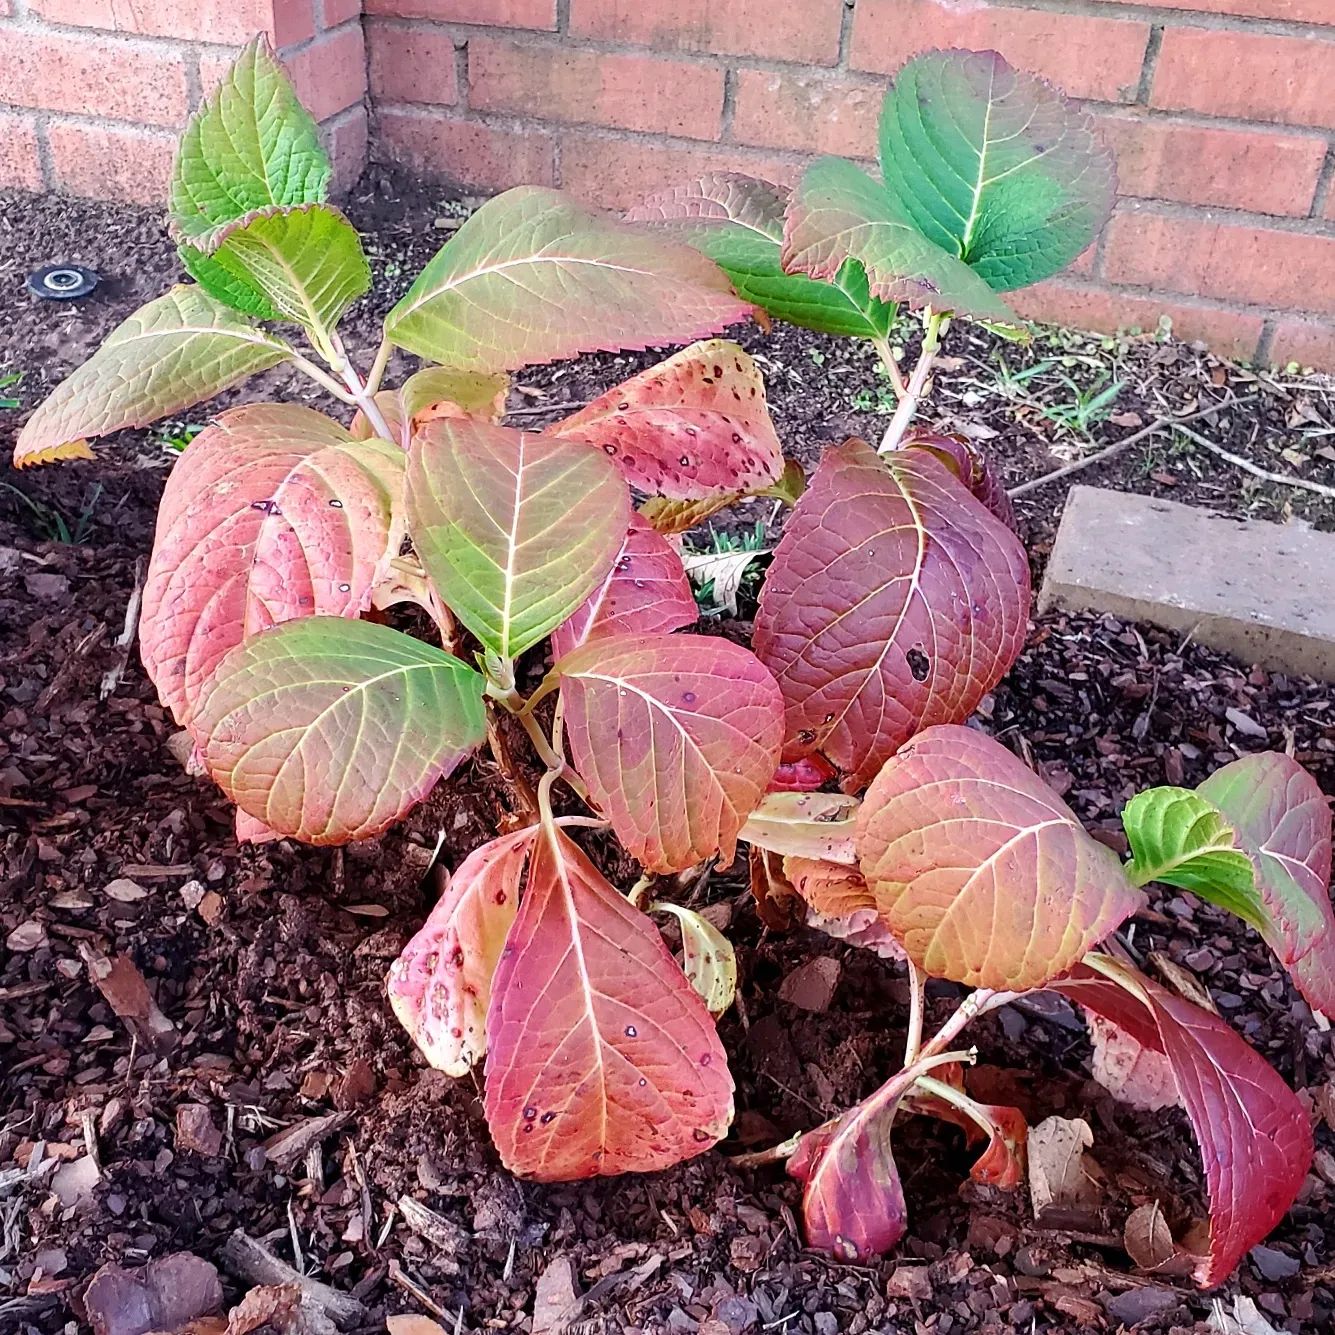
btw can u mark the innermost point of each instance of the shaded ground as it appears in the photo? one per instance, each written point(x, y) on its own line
point(270, 961)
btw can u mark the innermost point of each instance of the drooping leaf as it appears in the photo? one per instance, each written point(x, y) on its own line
point(994, 165)
point(708, 958)
point(676, 737)
point(895, 601)
point(173, 353)
point(1005, 1128)
point(435, 392)
point(250, 145)
point(1255, 1138)
point(601, 1057)
point(223, 285)
point(831, 888)
point(818, 826)
point(738, 222)
point(970, 465)
point(646, 592)
point(853, 1203)
point(274, 512)
point(980, 869)
point(330, 730)
point(305, 260)
point(838, 213)
point(1140, 1076)
point(778, 905)
point(440, 986)
point(859, 927)
point(692, 426)
point(515, 530)
point(533, 277)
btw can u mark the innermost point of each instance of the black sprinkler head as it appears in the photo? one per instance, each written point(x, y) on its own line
point(62, 282)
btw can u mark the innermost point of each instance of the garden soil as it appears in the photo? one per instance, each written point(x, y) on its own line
point(275, 1096)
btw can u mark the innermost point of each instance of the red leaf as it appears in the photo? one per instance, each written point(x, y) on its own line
point(646, 592)
point(440, 986)
point(690, 427)
point(970, 465)
point(601, 1057)
point(1002, 1163)
point(979, 868)
point(803, 776)
point(273, 513)
point(895, 601)
point(676, 737)
point(1255, 1139)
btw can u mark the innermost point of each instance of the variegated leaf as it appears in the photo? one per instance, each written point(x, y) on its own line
point(435, 392)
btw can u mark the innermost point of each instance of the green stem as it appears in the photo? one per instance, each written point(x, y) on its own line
point(378, 367)
point(936, 326)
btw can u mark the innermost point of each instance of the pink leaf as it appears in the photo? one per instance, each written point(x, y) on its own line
point(440, 986)
point(840, 905)
point(1140, 1076)
point(980, 869)
point(690, 427)
point(1255, 1139)
point(601, 1057)
point(274, 512)
point(803, 776)
point(676, 737)
point(895, 601)
point(646, 592)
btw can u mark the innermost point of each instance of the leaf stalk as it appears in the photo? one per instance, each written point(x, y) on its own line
point(934, 330)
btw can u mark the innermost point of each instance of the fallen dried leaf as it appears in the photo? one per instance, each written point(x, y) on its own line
point(555, 1302)
point(165, 1295)
point(279, 1309)
point(127, 994)
point(1058, 1178)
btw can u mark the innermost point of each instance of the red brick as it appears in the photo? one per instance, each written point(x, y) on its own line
point(812, 112)
point(805, 32)
point(616, 172)
point(1231, 261)
point(95, 76)
point(20, 167)
point(123, 163)
point(1294, 11)
point(227, 22)
point(1253, 75)
point(1083, 55)
point(347, 139)
point(1258, 170)
point(412, 65)
point(539, 14)
point(467, 152)
point(1307, 342)
point(339, 11)
point(1081, 306)
point(551, 81)
point(330, 74)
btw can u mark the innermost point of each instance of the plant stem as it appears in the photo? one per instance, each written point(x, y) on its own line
point(949, 1094)
point(377, 371)
point(937, 324)
point(321, 378)
point(917, 999)
point(887, 356)
point(975, 1004)
point(361, 396)
point(549, 755)
point(521, 791)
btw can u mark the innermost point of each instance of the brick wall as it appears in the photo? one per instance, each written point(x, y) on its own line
point(1222, 114)
point(94, 92)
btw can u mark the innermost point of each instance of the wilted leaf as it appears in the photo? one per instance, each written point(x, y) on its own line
point(838, 213)
point(1004, 1162)
point(330, 730)
point(515, 530)
point(804, 775)
point(859, 927)
point(994, 165)
point(708, 958)
point(676, 737)
point(251, 144)
point(1140, 1076)
point(440, 986)
point(980, 869)
point(533, 277)
point(435, 392)
point(601, 1058)
point(175, 352)
point(1147, 1238)
point(274, 512)
point(722, 573)
point(778, 905)
point(831, 888)
point(646, 592)
point(1255, 1139)
point(738, 222)
point(895, 600)
point(306, 260)
point(970, 465)
point(689, 427)
point(805, 825)
point(673, 517)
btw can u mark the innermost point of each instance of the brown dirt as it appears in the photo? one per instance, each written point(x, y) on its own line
point(269, 961)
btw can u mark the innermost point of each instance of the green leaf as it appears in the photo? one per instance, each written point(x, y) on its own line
point(329, 730)
point(994, 165)
point(220, 283)
point(514, 530)
point(839, 213)
point(250, 145)
point(738, 222)
point(1182, 839)
point(168, 356)
point(305, 260)
point(532, 277)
